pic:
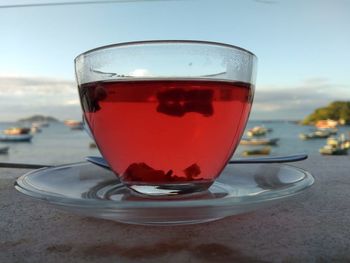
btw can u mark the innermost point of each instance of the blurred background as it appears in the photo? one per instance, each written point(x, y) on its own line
point(302, 47)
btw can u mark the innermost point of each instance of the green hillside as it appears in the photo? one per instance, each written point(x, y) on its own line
point(337, 110)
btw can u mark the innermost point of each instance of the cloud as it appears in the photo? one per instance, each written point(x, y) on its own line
point(22, 86)
point(24, 96)
point(285, 102)
point(140, 73)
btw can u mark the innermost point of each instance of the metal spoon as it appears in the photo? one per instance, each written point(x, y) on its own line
point(100, 161)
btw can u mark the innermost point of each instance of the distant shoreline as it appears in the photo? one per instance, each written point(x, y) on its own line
point(38, 118)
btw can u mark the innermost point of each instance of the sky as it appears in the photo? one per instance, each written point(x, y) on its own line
point(302, 48)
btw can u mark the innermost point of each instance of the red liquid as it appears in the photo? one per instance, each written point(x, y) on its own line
point(166, 131)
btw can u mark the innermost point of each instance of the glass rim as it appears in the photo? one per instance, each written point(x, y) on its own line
point(135, 43)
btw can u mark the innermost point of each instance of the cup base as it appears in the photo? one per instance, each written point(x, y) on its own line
point(169, 189)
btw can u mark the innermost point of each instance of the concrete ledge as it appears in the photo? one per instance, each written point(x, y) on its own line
point(312, 227)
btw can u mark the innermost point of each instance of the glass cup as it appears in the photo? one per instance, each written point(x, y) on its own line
point(166, 115)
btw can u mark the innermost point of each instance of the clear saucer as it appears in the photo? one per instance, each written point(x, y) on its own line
point(93, 191)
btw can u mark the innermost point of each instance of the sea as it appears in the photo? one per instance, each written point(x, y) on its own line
point(58, 144)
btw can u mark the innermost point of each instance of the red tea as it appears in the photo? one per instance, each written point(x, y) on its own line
point(166, 131)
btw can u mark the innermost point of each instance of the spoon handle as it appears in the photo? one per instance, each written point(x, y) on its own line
point(23, 165)
point(273, 159)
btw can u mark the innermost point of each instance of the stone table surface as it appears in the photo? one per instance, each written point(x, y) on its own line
point(312, 227)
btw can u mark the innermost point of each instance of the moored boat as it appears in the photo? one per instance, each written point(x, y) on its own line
point(336, 146)
point(16, 134)
point(261, 151)
point(70, 123)
point(332, 150)
point(16, 138)
point(258, 131)
point(74, 125)
point(79, 127)
point(318, 134)
point(332, 131)
point(326, 124)
point(259, 141)
point(16, 131)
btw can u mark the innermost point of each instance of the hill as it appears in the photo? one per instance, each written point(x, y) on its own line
point(337, 110)
point(39, 118)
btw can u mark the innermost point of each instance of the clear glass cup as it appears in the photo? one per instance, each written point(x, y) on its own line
point(166, 115)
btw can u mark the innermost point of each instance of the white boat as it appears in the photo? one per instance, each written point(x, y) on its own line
point(336, 146)
point(258, 131)
point(333, 150)
point(16, 131)
point(318, 134)
point(16, 134)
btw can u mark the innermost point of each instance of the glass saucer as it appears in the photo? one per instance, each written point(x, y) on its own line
point(94, 191)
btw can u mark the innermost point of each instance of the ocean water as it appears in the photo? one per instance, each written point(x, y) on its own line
point(288, 134)
point(58, 144)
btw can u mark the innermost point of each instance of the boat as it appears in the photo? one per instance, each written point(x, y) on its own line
point(258, 131)
point(74, 125)
point(4, 150)
point(16, 138)
point(37, 126)
point(332, 150)
point(70, 123)
point(16, 131)
point(336, 146)
point(261, 151)
point(259, 141)
point(341, 141)
point(347, 144)
point(318, 134)
point(78, 126)
point(326, 124)
point(16, 134)
point(332, 131)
